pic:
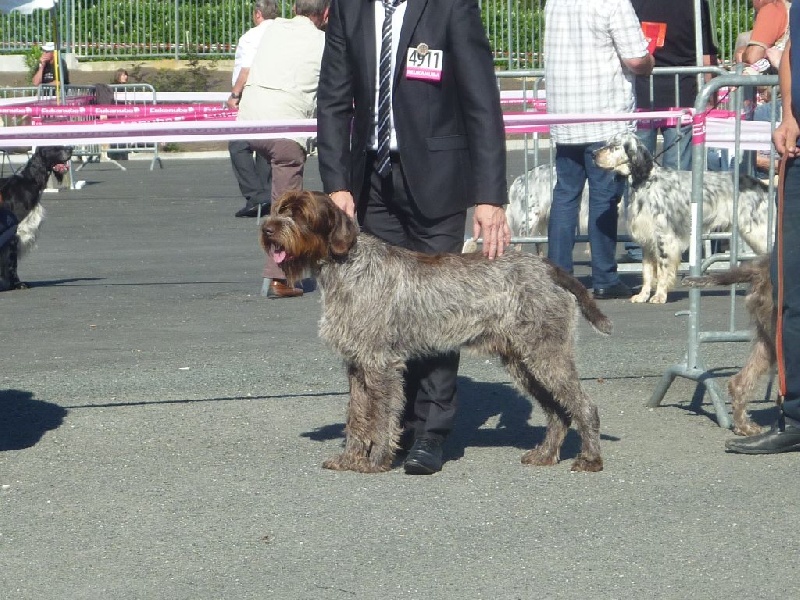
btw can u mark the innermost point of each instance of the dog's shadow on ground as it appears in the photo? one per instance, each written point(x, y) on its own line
point(497, 415)
point(55, 282)
point(490, 415)
point(25, 420)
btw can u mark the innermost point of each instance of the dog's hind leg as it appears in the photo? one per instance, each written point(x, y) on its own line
point(373, 413)
point(556, 386)
point(669, 259)
point(741, 385)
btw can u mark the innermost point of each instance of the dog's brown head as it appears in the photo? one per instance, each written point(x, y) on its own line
point(305, 228)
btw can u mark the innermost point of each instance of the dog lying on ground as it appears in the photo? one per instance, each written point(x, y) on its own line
point(659, 210)
point(21, 212)
point(528, 213)
point(762, 356)
point(384, 305)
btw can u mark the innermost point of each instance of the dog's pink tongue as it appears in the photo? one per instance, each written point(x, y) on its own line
point(279, 256)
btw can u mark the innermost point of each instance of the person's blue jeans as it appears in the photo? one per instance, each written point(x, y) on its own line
point(574, 166)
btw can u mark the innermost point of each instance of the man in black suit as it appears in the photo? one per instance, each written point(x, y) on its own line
point(446, 154)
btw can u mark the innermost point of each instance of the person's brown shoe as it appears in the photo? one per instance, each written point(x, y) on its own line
point(280, 289)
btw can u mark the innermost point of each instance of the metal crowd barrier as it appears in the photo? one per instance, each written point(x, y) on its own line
point(69, 95)
point(693, 366)
point(730, 92)
point(8, 166)
point(134, 93)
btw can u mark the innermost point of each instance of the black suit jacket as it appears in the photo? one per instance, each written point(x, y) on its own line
point(450, 133)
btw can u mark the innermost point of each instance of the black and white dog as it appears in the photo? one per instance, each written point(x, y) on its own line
point(659, 210)
point(21, 213)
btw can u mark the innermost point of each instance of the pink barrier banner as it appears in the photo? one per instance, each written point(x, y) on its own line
point(210, 124)
point(137, 110)
point(699, 129)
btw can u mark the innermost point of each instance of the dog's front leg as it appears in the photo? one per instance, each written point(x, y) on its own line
point(648, 274)
point(373, 412)
point(669, 260)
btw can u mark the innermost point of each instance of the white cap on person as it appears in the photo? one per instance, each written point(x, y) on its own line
point(48, 47)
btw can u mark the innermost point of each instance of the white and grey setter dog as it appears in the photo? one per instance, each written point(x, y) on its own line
point(383, 305)
point(530, 197)
point(659, 210)
point(21, 212)
point(762, 357)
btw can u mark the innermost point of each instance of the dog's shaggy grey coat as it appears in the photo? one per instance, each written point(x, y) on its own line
point(384, 305)
point(660, 216)
point(762, 311)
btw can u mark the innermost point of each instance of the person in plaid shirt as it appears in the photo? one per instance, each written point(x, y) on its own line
point(592, 52)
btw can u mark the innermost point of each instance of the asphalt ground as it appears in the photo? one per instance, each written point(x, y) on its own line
point(162, 427)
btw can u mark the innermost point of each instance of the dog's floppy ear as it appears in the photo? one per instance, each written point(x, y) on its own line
point(640, 159)
point(343, 229)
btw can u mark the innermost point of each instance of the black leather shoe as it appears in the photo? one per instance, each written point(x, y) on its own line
point(618, 290)
point(251, 210)
point(425, 457)
point(770, 442)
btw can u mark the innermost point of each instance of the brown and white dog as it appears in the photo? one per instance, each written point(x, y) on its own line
point(383, 305)
point(762, 357)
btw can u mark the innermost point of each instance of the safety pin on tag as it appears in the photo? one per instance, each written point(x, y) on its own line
point(422, 49)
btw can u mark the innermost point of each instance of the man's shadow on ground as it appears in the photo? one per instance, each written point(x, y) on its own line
point(25, 420)
point(478, 403)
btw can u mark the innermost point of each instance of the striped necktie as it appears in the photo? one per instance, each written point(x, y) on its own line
point(385, 89)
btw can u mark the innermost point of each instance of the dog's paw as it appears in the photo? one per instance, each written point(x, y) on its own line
point(747, 428)
point(590, 465)
point(538, 458)
point(641, 297)
point(659, 298)
point(470, 246)
point(359, 464)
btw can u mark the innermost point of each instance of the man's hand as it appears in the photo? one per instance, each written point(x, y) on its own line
point(344, 200)
point(490, 223)
point(785, 137)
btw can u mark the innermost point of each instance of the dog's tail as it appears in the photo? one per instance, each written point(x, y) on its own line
point(589, 309)
point(747, 272)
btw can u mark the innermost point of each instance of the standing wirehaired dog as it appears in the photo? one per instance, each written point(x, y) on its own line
point(384, 305)
point(659, 210)
point(762, 357)
point(21, 213)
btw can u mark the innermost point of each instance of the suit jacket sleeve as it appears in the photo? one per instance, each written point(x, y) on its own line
point(480, 99)
point(335, 106)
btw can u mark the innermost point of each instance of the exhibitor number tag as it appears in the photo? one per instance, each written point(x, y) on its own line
point(425, 64)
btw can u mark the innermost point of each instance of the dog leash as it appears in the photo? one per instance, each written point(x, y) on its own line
point(779, 354)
